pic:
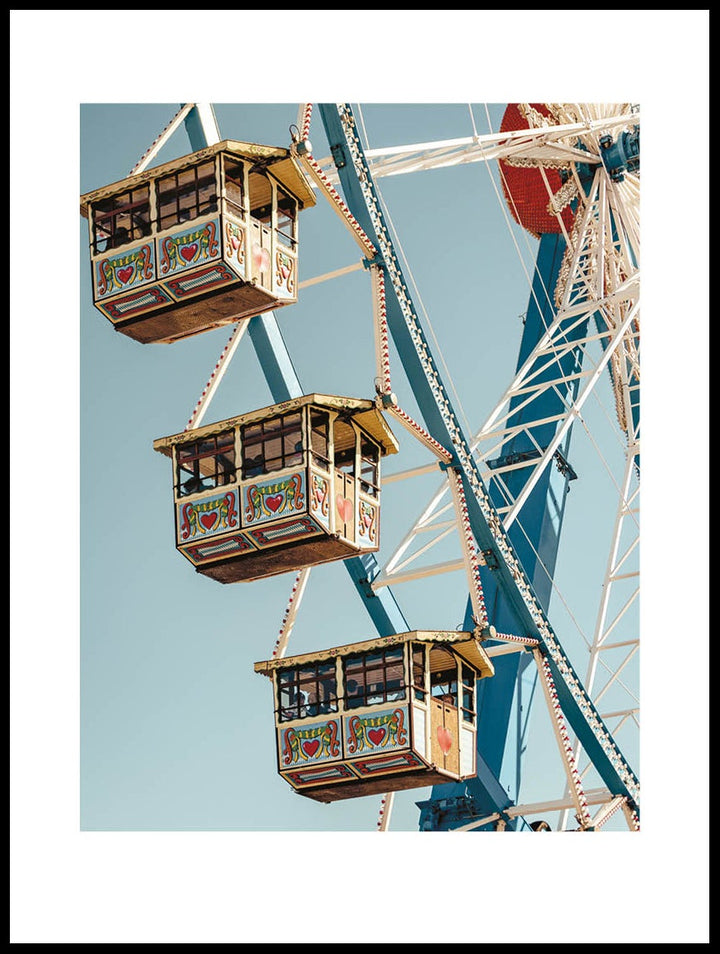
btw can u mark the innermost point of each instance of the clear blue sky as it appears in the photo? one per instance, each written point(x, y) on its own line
point(176, 728)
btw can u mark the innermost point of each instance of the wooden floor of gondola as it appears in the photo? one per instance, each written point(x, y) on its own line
point(201, 313)
point(280, 559)
point(396, 782)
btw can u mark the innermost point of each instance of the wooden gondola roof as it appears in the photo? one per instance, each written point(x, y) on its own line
point(465, 644)
point(277, 160)
point(364, 411)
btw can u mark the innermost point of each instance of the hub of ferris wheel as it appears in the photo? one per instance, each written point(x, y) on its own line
point(621, 155)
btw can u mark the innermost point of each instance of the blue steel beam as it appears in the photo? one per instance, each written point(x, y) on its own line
point(201, 126)
point(274, 358)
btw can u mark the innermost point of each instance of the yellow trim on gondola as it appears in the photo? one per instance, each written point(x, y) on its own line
point(365, 413)
point(279, 163)
point(465, 644)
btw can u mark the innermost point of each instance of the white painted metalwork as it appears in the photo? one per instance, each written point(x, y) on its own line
point(337, 273)
point(568, 759)
point(623, 554)
point(296, 595)
point(609, 805)
point(216, 377)
point(206, 116)
point(546, 144)
point(385, 812)
point(469, 550)
point(148, 156)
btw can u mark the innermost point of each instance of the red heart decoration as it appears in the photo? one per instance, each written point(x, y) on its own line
point(367, 519)
point(125, 273)
point(261, 258)
point(310, 748)
point(376, 735)
point(235, 241)
point(445, 739)
point(208, 520)
point(284, 271)
point(275, 502)
point(345, 508)
point(188, 251)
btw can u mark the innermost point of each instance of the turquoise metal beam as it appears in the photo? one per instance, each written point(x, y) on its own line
point(274, 358)
point(202, 127)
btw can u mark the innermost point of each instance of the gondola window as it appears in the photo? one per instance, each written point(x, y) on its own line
point(187, 194)
point(121, 219)
point(374, 677)
point(272, 445)
point(307, 691)
point(205, 464)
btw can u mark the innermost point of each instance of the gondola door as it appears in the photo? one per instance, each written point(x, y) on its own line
point(345, 504)
point(444, 715)
point(344, 450)
point(261, 235)
point(445, 752)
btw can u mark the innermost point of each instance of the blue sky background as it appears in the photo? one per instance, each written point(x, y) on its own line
point(176, 728)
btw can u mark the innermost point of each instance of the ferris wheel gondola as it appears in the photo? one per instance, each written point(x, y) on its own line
point(197, 243)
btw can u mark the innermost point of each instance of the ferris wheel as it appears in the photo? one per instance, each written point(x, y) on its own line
point(476, 502)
